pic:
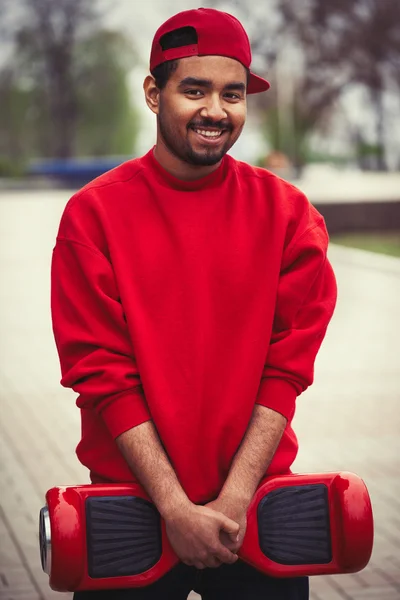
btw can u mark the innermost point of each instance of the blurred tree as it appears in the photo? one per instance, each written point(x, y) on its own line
point(347, 42)
point(299, 101)
point(64, 91)
point(108, 126)
point(317, 50)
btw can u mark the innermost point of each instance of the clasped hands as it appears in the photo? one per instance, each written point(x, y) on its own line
point(207, 536)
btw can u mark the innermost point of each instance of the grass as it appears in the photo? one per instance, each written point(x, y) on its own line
point(381, 242)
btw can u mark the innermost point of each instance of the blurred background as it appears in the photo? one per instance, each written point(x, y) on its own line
point(72, 106)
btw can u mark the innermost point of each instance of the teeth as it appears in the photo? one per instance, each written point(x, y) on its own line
point(208, 133)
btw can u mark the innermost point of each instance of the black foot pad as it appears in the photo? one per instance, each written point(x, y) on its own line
point(123, 536)
point(293, 525)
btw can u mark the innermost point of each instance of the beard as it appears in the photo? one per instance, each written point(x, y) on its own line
point(182, 148)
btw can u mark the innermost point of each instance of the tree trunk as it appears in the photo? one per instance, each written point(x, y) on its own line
point(380, 129)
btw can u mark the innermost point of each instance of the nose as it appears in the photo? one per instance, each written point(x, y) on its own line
point(213, 108)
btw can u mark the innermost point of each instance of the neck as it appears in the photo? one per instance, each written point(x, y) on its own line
point(177, 167)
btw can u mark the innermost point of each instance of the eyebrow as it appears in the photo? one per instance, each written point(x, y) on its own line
point(207, 83)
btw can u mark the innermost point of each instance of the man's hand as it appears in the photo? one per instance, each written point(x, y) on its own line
point(195, 534)
point(236, 511)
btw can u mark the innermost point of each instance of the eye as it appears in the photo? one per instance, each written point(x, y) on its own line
point(232, 96)
point(194, 93)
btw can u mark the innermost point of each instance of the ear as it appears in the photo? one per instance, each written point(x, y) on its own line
point(152, 94)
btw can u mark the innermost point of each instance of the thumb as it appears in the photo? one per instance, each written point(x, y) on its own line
point(230, 527)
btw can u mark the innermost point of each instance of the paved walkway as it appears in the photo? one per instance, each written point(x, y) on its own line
point(348, 420)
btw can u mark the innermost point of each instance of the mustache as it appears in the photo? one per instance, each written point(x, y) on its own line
point(210, 123)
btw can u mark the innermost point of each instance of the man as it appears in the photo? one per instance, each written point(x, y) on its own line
point(190, 295)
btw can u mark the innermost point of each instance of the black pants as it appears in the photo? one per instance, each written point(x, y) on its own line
point(227, 582)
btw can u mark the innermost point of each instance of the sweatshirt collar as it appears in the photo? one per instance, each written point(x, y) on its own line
point(165, 178)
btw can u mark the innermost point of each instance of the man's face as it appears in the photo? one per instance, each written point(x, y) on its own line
point(202, 109)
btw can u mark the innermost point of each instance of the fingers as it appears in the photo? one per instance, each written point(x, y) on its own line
point(194, 563)
point(225, 556)
point(232, 545)
point(230, 527)
point(212, 562)
point(213, 559)
point(199, 565)
point(198, 542)
point(209, 562)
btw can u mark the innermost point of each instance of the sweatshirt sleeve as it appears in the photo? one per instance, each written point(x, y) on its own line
point(305, 303)
point(93, 344)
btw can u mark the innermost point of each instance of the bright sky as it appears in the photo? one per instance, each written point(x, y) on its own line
point(141, 18)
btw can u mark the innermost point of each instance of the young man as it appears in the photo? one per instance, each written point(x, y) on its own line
point(190, 295)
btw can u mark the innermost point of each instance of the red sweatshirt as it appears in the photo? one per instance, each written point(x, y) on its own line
point(187, 303)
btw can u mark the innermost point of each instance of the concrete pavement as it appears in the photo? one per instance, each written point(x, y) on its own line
point(348, 420)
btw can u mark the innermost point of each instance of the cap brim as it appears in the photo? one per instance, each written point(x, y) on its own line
point(257, 84)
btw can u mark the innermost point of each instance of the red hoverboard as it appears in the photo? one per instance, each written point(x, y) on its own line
point(112, 536)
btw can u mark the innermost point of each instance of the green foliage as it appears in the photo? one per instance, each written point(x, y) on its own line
point(11, 168)
point(381, 242)
point(107, 121)
point(15, 103)
point(290, 135)
point(65, 91)
point(365, 149)
point(340, 160)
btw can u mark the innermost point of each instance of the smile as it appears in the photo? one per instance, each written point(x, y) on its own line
point(211, 134)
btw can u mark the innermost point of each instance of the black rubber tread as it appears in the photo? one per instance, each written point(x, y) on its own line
point(123, 536)
point(294, 527)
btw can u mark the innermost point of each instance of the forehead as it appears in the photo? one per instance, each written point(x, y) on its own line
point(221, 70)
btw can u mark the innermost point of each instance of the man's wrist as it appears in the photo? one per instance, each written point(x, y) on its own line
point(253, 456)
point(234, 498)
point(173, 506)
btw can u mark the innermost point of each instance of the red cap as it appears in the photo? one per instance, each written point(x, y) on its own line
point(218, 33)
